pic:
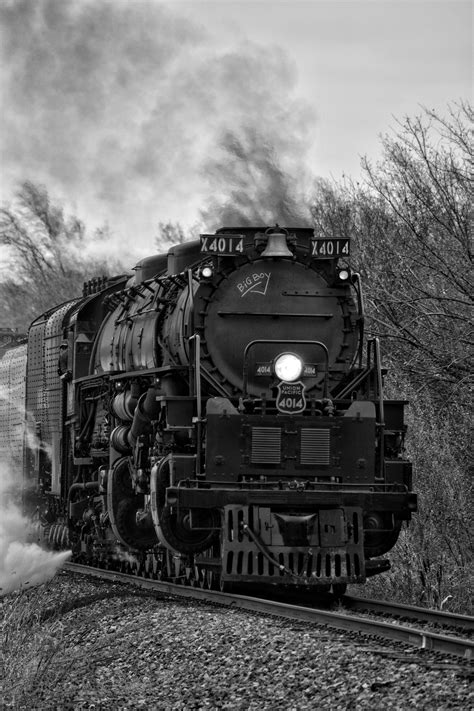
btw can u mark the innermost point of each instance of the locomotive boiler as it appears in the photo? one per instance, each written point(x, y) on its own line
point(218, 417)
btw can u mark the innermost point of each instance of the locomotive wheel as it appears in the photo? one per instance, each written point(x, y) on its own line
point(173, 526)
point(208, 577)
point(226, 586)
point(123, 505)
point(376, 543)
point(339, 589)
point(178, 534)
point(122, 478)
point(134, 534)
point(150, 565)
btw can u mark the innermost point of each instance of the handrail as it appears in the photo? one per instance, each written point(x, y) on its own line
point(361, 307)
point(355, 383)
point(197, 394)
point(378, 370)
point(373, 345)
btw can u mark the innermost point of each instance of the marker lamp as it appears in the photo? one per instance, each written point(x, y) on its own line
point(344, 274)
point(288, 367)
point(206, 272)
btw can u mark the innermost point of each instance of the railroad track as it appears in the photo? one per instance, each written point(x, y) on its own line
point(436, 618)
point(421, 638)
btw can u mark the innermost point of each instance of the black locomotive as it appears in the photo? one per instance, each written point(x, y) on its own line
point(215, 418)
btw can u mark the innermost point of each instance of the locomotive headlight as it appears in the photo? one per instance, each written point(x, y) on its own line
point(288, 367)
point(344, 274)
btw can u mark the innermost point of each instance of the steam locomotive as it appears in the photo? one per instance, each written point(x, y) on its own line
point(217, 418)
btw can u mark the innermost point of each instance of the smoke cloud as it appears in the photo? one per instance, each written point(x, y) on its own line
point(134, 115)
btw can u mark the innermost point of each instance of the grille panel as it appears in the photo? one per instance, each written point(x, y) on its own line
point(319, 565)
point(315, 446)
point(266, 445)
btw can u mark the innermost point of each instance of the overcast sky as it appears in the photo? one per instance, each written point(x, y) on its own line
point(125, 109)
point(359, 62)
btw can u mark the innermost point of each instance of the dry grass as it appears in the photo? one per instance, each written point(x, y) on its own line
point(40, 641)
point(28, 644)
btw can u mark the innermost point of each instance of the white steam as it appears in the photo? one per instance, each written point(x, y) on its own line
point(23, 563)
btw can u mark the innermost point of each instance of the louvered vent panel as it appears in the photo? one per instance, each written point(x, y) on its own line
point(12, 407)
point(266, 445)
point(315, 446)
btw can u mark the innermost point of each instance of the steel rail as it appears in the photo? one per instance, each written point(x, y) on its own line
point(411, 612)
point(408, 635)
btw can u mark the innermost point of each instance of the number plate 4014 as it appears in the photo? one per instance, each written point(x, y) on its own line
point(222, 244)
point(291, 399)
point(330, 248)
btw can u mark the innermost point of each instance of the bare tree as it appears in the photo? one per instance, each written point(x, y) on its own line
point(47, 262)
point(410, 224)
point(427, 299)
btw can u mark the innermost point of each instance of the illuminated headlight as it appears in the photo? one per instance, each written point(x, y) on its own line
point(288, 367)
point(206, 272)
point(344, 274)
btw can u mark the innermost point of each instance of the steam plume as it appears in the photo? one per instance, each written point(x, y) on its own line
point(258, 189)
point(136, 116)
point(23, 564)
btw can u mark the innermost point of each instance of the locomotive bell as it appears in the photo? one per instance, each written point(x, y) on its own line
point(276, 246)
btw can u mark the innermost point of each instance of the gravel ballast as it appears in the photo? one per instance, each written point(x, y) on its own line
point(79, 643)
